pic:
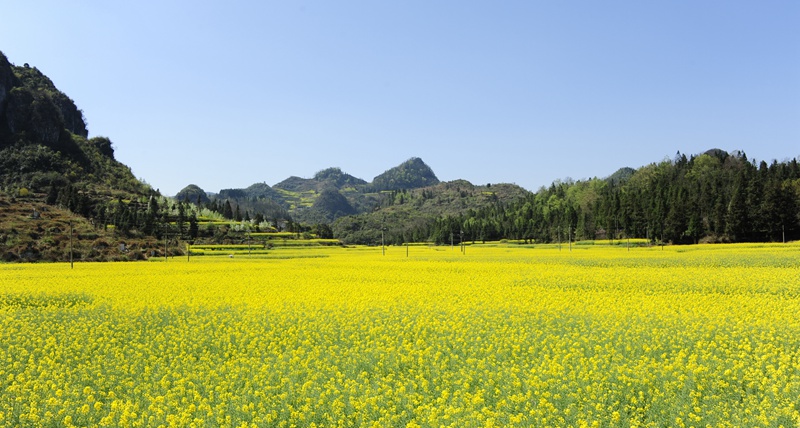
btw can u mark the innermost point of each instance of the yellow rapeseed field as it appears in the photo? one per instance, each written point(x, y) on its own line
point(498, 336)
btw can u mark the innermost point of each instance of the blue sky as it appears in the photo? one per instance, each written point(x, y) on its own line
point(226, 94)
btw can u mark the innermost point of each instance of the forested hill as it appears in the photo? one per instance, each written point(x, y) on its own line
point(330, 194)
point(53, 175)
point(411, 174)
point(711, 197)
point(44, 144)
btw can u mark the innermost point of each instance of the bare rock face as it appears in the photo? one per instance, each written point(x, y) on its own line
point(6, 81)
point(44, 91)
point(33, 111)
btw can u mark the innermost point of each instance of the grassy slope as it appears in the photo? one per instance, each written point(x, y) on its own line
point(46, 238)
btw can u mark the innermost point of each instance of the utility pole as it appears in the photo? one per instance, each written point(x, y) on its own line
point(166, 235)
point(569, 237)
point(71, 266)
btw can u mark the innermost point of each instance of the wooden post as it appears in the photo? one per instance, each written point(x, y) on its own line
point(165, 243)
point(71, 266)
point(559, 238)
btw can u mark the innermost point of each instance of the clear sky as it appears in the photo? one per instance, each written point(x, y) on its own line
point(226, 94)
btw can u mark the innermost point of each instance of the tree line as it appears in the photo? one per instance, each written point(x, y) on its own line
point(712, 197)
point(150, 215)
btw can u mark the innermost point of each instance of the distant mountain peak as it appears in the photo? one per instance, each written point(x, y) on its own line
point(192, 193)
point(717, 153)
point(411, 174)
point(338, 178)
point(328, 173)
point(622, 175)
point(255, 190)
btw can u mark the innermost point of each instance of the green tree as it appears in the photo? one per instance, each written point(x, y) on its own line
point(193, 229)
point(181, 220)
point(736, 219)
point(227, 210)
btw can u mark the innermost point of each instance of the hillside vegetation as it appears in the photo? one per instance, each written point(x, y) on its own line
point(714, 196)
point(711, 197)
point(43, 139)
point(329, 195)
point(53, 174)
